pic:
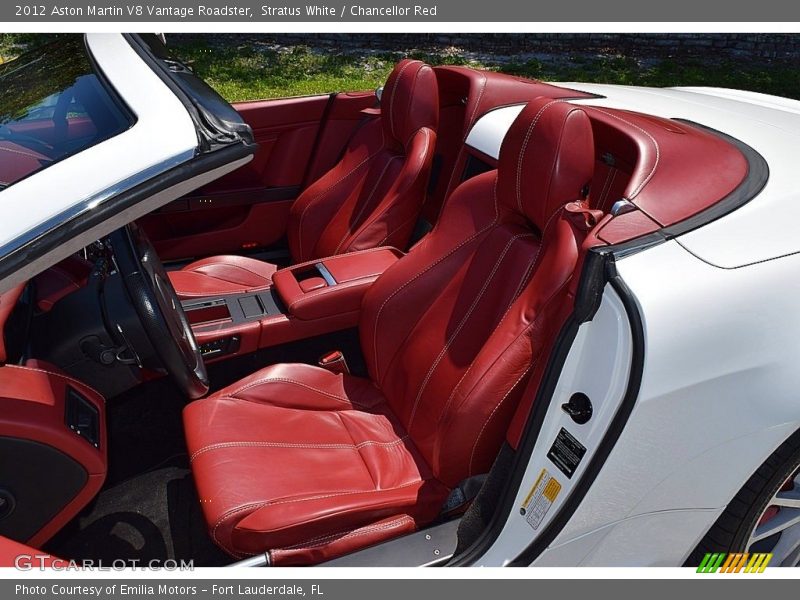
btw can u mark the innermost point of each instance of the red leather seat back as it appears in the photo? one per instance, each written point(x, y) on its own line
point(451, 331)
point(373, 196)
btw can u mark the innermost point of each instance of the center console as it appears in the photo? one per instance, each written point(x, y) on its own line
point(305, 300)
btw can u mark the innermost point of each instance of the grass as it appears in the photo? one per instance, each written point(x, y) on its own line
point(249, 72)
point(254, 71)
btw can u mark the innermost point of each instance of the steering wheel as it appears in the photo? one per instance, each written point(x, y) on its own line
point(159, 309)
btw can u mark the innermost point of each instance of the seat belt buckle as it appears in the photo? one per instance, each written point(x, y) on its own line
point(334, 362)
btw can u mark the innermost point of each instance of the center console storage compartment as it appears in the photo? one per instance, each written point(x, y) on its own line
point(333, 285)
point(305, 300)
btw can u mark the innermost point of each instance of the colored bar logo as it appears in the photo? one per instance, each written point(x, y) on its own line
point(741, 562)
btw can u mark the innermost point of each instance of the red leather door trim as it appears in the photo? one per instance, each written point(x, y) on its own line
point(14, 554)
point(299, 140)
point(223, 230)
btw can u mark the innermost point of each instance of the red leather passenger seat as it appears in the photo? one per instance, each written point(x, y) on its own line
point(371, 198)
point(306, 465)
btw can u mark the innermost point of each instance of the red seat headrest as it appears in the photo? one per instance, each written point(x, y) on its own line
point(410, 101)
point(546, 160)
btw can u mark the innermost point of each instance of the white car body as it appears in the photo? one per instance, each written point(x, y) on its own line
point(730, 288)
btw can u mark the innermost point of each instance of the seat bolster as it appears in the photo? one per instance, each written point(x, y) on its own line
point(392, 221)
point(329, 546)
point(300, 521)
point(219, 275)
point(305, 387)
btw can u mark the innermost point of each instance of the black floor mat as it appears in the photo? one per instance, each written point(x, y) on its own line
point(153, 517)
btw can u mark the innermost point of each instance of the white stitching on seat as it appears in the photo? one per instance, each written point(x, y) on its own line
point(367, 201)
point(475, 236)
point(328, 189)
point(647, 179)
point(372, 219)
point(533, 362)
point(494, 410)
point(260, 504)
point(343, 535)
point(528, 134)
point(267, 380)
point(350, 493)
point(461, 324)
point(520, 287)
point(299, 445)
point(229, 513)
point(523, 282)
point(394, 91)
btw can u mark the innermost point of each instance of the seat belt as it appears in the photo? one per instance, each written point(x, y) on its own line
point(334, 362)
point(463, 494)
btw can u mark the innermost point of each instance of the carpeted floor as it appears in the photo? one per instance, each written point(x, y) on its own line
point(154, 516)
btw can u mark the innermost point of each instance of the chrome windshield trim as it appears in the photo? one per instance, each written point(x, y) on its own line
point(93, 202)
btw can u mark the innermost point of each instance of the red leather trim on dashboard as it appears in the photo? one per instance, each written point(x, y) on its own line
point(10, 551)
point(33, 398)
point(8, 300)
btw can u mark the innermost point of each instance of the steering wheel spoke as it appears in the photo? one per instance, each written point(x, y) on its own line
point(159, 310)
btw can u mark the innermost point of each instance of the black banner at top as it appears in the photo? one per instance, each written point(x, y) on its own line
point(415, 11)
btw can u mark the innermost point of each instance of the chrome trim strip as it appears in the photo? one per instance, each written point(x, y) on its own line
point(325, 274)
point(93, 202)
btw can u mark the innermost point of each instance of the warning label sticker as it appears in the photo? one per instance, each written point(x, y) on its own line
point(566, 452)
point(539, 500)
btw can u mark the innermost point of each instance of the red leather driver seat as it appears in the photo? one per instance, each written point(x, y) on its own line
point(372, 197)
point(305, 464)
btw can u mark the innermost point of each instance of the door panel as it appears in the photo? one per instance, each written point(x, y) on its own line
point(236, 229)
point(285, 131)
point(246, 211)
